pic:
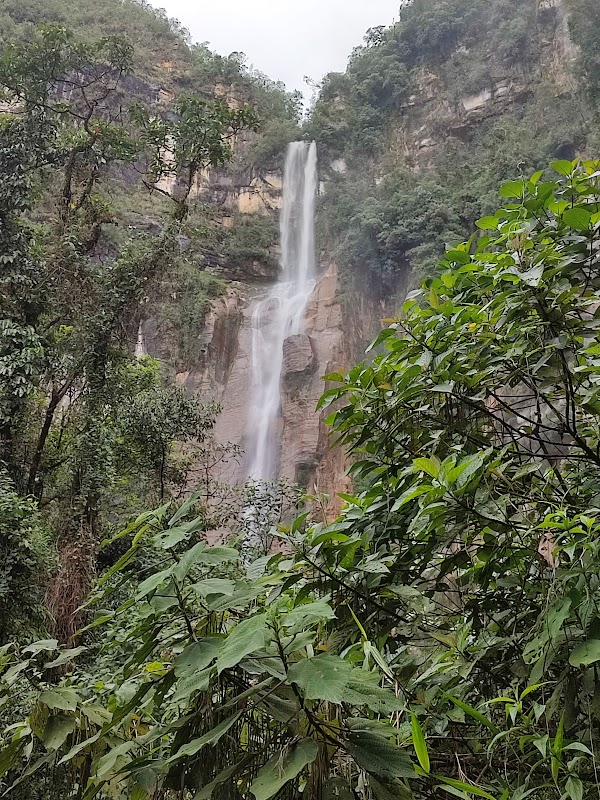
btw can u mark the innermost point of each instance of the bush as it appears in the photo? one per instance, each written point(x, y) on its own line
point(25, 559)
point(251, 238)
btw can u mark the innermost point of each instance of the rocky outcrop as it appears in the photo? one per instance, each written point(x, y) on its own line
point(335, 336)
point(433, 112)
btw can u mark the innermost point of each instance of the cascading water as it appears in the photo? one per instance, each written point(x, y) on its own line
point(281, 313)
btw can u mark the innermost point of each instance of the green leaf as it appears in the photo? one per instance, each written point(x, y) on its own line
point(198, 681)
point(512, 189)
point(38, 647)
point(458, 256)
point(9, 755)
point(210, 738)
point(472, 712)
point(207, 556)
point(323, 677)
point(152, 583)
point(574, 787)
point(411, 494)
point(282, 768)
point(308, 614)
point(465, 787)
point(108, 762)
point(379, 756)
point(63, 698)
point(57, 730)
point(585, 653)
point(429, 465)
point(174, 536)
point(389, 791)
point(578, 218)
point(184, 509)
point(563, 167)
point(197, 656)
point(215, 586)
point(247, 637)
point(363, 690)
point(419, 743)
point(65, 657)
point(488, 223)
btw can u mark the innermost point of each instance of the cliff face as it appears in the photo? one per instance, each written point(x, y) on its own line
point(439, 107)
point(437, 113)
point(334, 338)
point(452, 131)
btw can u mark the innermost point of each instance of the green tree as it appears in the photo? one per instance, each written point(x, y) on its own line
point(442, 634)
point(68, 305)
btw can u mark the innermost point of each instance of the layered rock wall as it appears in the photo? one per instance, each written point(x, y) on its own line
point(335, 337)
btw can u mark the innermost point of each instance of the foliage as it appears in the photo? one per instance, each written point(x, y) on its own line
point(420, 168)
point(275, 135)
point(442, 634)
point(198, 135)
point(584, 23)
point(251, 238)
point(69, 301)
point(25, 558)
point(184, 297)
point(153, 420)
point(147, 29)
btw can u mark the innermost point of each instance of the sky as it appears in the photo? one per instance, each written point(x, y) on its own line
point(286, 39)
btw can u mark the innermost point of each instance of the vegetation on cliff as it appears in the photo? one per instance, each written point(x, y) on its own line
point(433, 112)
point(440, 636)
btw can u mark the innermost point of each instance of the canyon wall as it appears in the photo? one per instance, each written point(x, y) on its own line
point(341, 319)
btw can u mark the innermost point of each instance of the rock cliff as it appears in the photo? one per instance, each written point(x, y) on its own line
point(335, 337)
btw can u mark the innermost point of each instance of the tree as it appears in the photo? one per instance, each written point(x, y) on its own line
point(70, 295)
point(442, 634)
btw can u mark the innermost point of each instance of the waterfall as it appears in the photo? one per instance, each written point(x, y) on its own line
point(281, 313)
point(140, 344)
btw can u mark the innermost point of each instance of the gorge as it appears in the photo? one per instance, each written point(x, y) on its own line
point(300, 410)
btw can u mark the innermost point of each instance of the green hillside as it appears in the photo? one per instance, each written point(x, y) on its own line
point(433, 163)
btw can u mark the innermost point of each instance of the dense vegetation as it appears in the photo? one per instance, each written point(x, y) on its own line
point(440, 636)
point(420, 167)
point(67, 439)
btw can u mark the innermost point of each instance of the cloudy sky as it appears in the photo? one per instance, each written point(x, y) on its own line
point(286, 39)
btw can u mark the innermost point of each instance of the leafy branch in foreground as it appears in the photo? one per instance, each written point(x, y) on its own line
point(442, 635)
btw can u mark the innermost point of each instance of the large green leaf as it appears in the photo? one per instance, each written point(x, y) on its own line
point(419, 743)
point(215, 586)
point(109, 761)
point(197, 656)
point(247, 637)
point(379, 756)
point(578, 218)
point(65, 657)
point(283, 767)
point(210, 738)
point(363, 689)
point(207, 556)
point(308, 614)
point(389, 790)
point(63, 698)
point(465, 787)
point(57, 730)
point(321, 678)
point(585, 653)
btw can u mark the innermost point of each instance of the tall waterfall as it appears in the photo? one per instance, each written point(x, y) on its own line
point(281, 313)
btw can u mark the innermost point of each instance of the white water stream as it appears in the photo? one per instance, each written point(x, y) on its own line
point(281, 313)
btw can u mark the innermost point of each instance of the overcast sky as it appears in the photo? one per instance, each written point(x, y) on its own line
point(286, 39)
